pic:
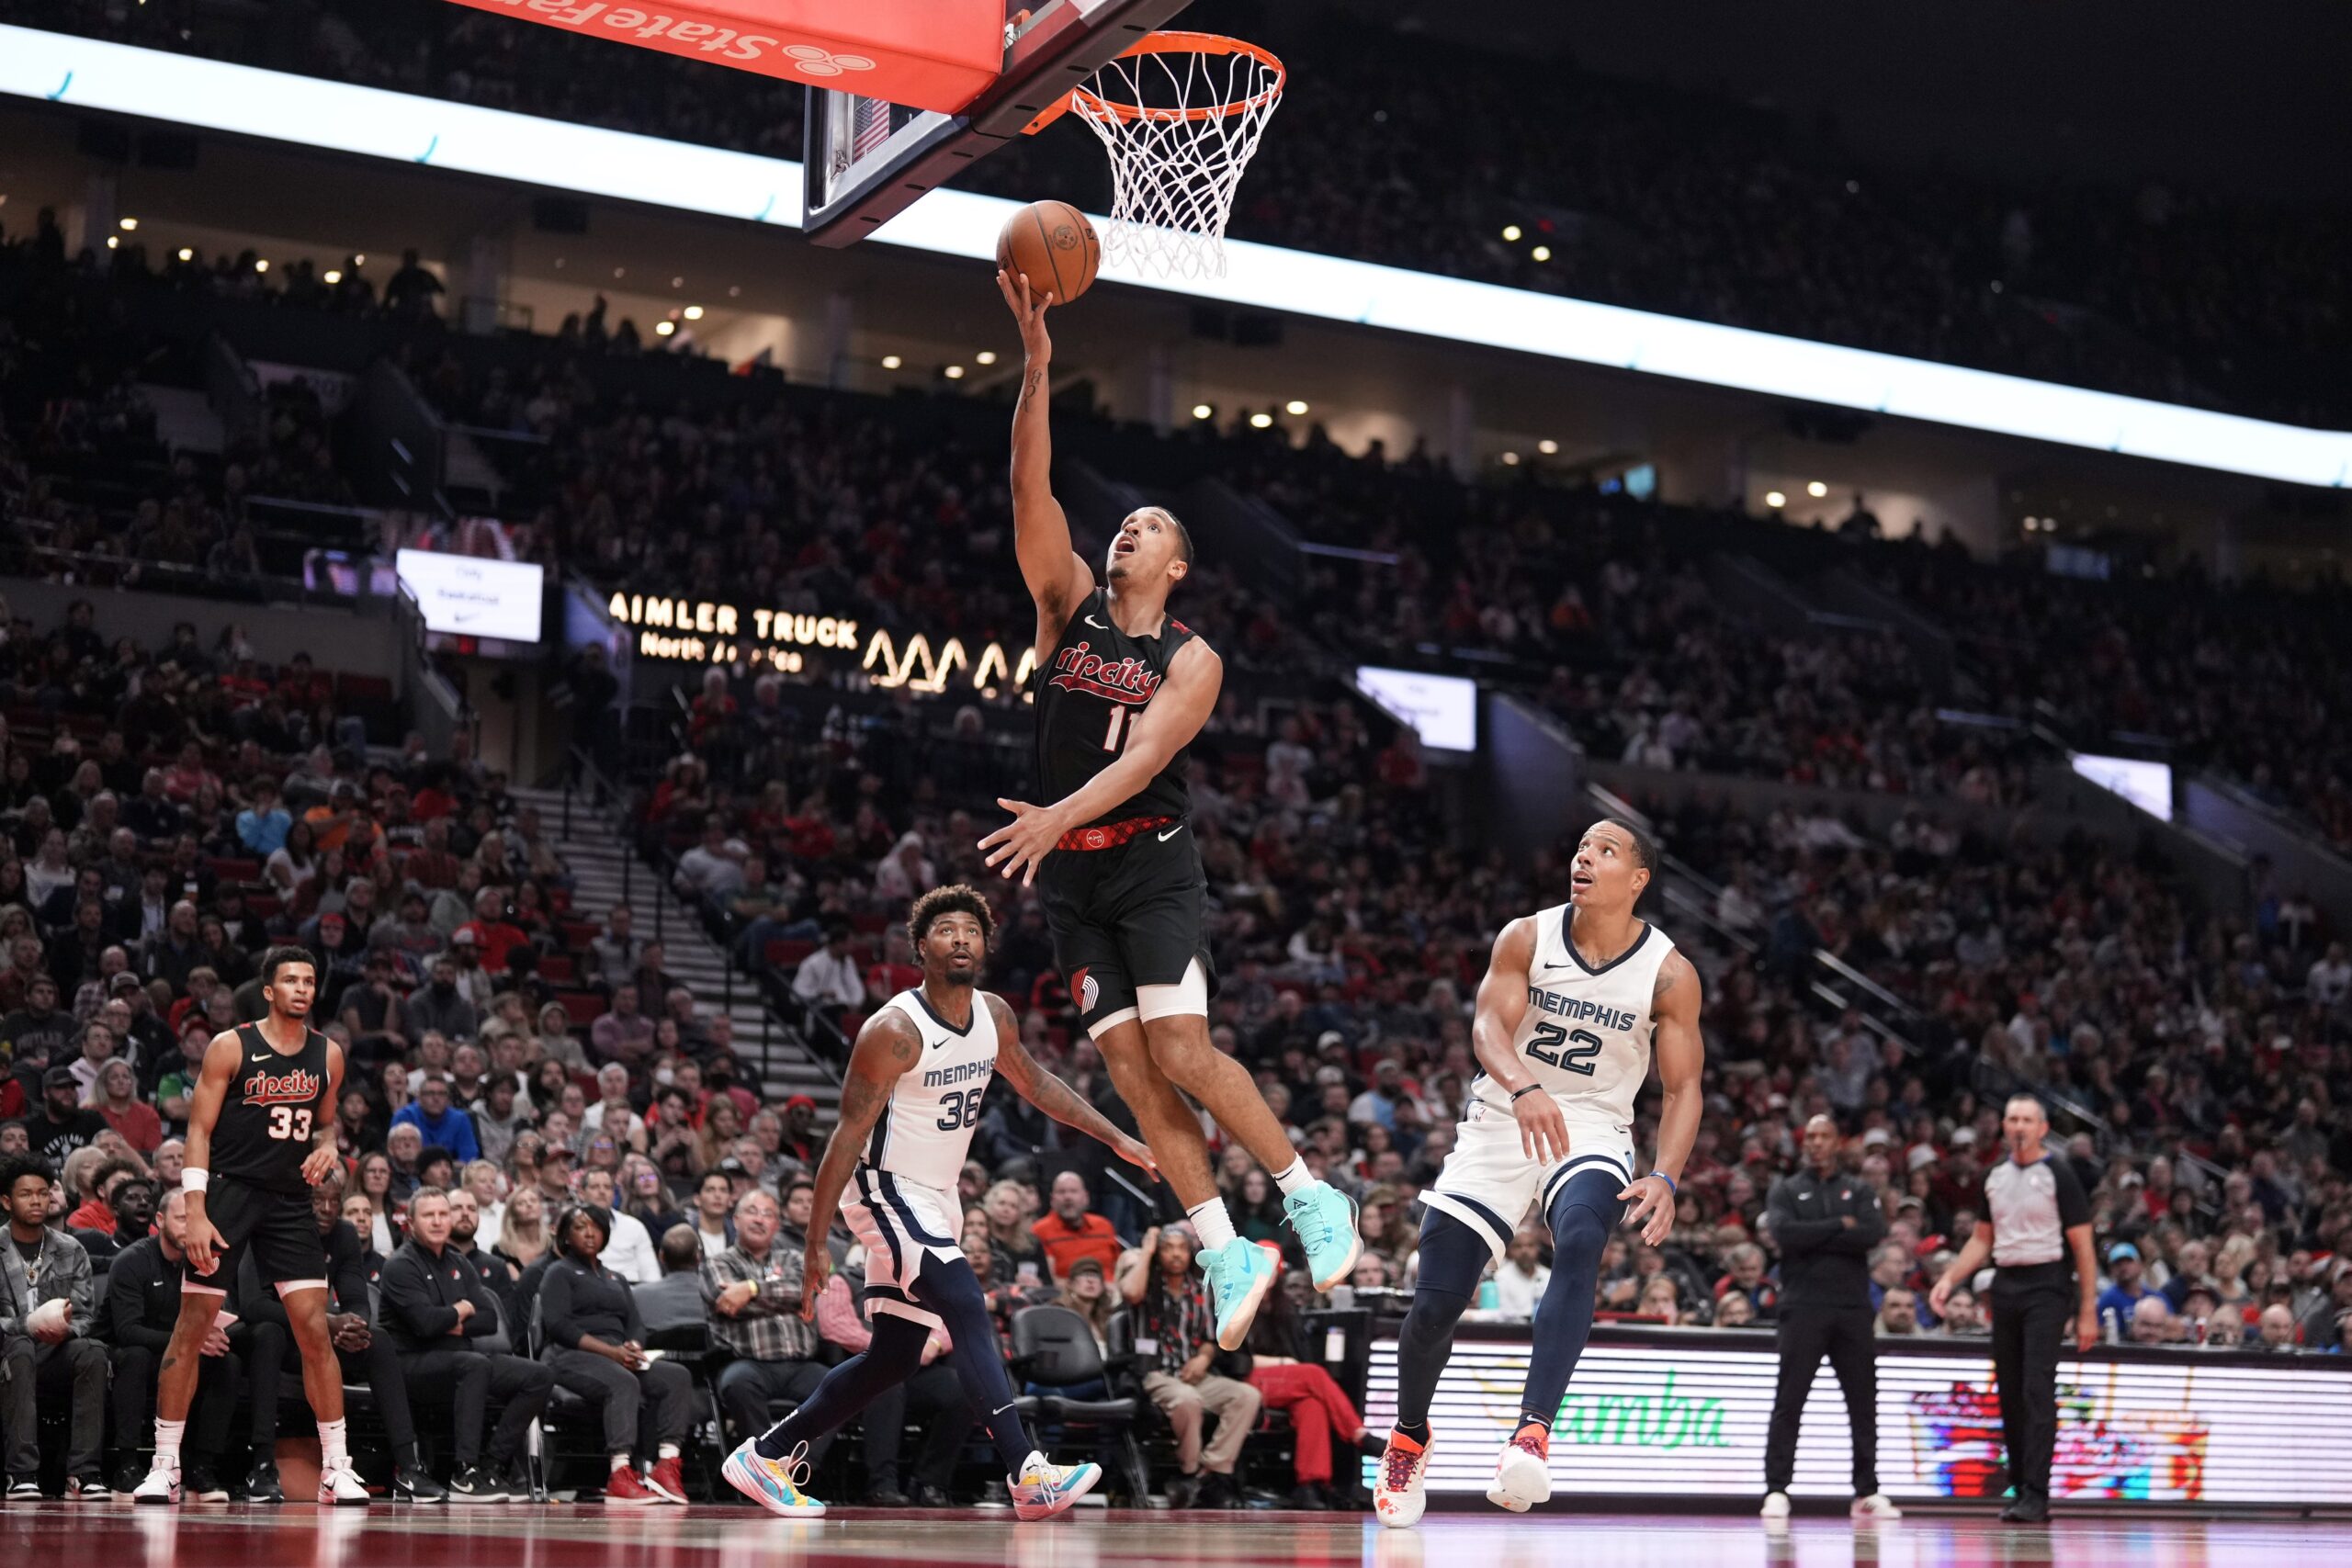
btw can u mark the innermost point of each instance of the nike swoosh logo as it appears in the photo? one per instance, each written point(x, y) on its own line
point(1171, 832)
point(1096, 625)
point(258, 1061)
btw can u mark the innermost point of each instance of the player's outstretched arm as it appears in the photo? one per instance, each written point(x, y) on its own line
point(1055, 1097)
point(1057, 578)
point(1681, 1057)
point(1167, 724)
point(887, 1046)
point(1494, 1035)
point(220, 1061)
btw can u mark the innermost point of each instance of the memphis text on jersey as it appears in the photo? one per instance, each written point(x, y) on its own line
point(1128, 680)
point(300, 1087)
point(964, 1073)
point(1579, 1011)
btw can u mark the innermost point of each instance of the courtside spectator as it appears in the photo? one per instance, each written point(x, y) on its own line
point(47, 1307)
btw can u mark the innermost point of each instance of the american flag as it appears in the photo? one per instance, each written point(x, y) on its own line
point(871, 127)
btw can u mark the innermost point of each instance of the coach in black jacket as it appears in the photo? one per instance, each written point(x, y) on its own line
point(438, 1310)
point(142, 1303)
point(1825, 1222)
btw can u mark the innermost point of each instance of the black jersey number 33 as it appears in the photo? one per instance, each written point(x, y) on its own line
point(272, 1112)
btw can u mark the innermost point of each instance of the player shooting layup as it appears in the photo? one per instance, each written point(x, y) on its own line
point(1575, 999)
point(1122, 688)
point(260, 1134)
point(910, 1102)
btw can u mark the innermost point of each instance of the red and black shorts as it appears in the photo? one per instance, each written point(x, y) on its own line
point(1128, 915)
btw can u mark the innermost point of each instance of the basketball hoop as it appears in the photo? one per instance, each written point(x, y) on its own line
point(1180, 114)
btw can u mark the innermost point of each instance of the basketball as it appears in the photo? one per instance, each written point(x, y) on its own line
point(1054, 246)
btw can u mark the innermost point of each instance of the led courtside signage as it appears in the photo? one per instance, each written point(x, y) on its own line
point(1657, 1418)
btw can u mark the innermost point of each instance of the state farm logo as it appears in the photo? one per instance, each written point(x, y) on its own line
point(812, 61)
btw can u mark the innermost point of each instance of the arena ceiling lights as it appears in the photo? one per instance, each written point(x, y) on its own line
point(244, 101)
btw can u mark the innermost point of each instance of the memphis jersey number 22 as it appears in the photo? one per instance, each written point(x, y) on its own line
point(290, 1122)
point(1544, 1045)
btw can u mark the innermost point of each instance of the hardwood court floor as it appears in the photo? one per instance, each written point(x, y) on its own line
point(58, 1535)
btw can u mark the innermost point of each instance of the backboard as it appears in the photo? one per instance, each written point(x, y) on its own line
point(867, 160)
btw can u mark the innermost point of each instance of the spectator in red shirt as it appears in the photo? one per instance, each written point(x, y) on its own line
point(492, 937)
point(1068, 1230)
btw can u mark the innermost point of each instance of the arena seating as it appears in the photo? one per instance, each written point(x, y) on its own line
point(1405, 150)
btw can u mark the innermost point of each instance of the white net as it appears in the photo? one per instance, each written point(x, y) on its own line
point(1181, 117)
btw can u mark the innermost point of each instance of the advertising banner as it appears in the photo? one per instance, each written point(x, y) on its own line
point(2187, 1427)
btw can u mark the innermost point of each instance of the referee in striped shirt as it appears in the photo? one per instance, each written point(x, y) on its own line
point(2037, 1222)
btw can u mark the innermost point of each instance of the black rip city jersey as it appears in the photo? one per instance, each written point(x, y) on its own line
point(1090, 696)
point(270, 1117)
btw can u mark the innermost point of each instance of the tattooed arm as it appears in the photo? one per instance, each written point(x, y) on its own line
point(1050, 1095)
point(885, 1048)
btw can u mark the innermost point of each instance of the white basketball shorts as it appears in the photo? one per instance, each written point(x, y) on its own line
point(900, 1224)
point(1488, 1181)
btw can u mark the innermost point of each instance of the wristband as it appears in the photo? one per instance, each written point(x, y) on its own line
point(1670, 1187)
point(193, 1179)
point(1521, 1093)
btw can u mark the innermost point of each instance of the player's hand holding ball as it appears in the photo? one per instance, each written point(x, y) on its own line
point(1028, 310)
point(48, 1321)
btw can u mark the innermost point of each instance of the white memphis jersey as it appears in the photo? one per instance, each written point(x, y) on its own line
point(926, 1130)
point(1586, 1036)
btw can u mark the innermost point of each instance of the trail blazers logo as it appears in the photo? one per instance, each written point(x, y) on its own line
point(300, 1087)
point(1128, 680)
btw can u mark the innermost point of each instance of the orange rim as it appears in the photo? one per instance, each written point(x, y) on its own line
point(1172, 43)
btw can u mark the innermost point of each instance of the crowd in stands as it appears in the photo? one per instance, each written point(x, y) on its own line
point(1412, 151)
point(529, 1074)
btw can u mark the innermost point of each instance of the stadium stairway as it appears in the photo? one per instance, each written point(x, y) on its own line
point(600, 859)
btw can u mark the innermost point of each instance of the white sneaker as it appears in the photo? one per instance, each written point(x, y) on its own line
point(162, 1486)
point(1398, 1496)
point(1776, 1506)
point(339, 1484)
point(1877, 1505)
point(1523, 1474)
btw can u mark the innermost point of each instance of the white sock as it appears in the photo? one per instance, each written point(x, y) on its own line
point(332, 1455)
point(1214, 1225)
point(620, 1462)
point(666, 1451)
point(1293, 1178)
point(167, 1442)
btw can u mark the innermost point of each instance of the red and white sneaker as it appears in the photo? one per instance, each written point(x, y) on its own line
point(623, 1489)
point(1523, 1474)
point(668, 1482)
point(1396, 1496)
